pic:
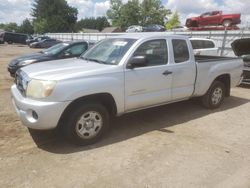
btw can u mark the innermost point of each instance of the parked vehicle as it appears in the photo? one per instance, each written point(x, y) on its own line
point(36, 39)
point(60, 51)
point(203, 46)
point(214, 28)
point(214, 18)
point(134, 29)
point(1, 38)
point(10, 38)
point(46, 43)
point(179, 28)
point(241, 48)
point(117, 76)
point(154, 28)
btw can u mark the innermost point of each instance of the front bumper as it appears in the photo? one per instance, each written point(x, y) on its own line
point(246, 75)
point(37, 114)
point(12, 70)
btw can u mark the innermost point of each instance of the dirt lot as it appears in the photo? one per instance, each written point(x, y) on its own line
point(179, 145)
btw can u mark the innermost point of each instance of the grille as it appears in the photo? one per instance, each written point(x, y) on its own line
point(21, 81)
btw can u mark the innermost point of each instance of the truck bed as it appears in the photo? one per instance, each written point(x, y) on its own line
point(206, 59)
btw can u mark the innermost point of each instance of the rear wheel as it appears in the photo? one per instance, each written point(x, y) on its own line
point(227, 23)
point(214, 96)
point(87, 123)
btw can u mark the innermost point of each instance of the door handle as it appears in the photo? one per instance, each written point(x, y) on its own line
point(165, 73)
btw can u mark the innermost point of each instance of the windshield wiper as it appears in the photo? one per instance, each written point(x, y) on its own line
point(95, 60)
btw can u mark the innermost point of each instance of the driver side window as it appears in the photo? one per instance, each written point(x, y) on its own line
point(155, 52)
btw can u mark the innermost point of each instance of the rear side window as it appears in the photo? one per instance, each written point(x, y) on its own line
point(208, 44)
point(202, 44)
point(181, 53)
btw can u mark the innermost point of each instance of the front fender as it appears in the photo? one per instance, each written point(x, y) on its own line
point(69, 90)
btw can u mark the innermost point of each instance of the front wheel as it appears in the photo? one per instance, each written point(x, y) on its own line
point(87, 123)
point(214, 96)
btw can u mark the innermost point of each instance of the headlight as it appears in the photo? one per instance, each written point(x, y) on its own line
point(27, 62)
point(40, 88)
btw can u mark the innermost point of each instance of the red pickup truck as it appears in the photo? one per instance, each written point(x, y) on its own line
point(214, 18)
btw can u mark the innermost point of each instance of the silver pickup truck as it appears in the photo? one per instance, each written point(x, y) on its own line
point(117, 76)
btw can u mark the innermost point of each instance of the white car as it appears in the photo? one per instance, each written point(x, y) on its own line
point(204, 47)
point(180, 28)
point(134, 29)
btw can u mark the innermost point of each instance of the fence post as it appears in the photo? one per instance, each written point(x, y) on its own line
point(223, 43)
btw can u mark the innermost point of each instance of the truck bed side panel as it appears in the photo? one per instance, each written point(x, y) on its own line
point(207, 72)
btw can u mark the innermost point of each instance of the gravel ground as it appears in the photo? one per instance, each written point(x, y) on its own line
point(178, 145)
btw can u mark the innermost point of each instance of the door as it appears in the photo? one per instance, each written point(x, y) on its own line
point(151, 84)
point(210, 18)
point(215, 18)
point(184, 70)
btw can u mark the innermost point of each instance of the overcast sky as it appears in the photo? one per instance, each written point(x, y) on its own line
point(18, 10)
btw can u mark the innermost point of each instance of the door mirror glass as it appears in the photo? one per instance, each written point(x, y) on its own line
point(66, 54)
point(137, 61)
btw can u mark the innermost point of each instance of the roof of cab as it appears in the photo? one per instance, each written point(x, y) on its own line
point(148, 35)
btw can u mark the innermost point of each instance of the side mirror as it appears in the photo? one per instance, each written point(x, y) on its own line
point(66, 54)
point(137, 61)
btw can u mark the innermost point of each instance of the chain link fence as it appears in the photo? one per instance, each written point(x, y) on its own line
point(223, 39)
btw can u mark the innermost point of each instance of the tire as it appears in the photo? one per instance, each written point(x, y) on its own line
point(86, 124)
point(194, 24)
point(227, 23)
point(214, 96)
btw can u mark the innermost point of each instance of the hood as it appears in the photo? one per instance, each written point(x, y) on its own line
point(241, 47)
point(66, 69)
point(38, 56)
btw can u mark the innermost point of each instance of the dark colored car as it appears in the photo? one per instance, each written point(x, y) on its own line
point(214, 18)
point(60, 51)
point(154, 28)
point(36, 39)
point(241, 48)
point(46, 43)
point(10, 38)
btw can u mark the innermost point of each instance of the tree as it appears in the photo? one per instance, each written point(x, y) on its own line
point(174, 21)
point(153, 12)
point(114, 13)
point(131, 14)
point(26, 27)
point(11, 27)
point(101, 23)
point(136, 12)
point(53, 16)
point(92, 23)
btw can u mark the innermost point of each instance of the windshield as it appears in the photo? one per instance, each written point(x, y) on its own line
point(109, 51)
point(55, 49)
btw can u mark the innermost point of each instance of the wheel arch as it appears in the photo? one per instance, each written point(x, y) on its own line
point(225, 19)
point(226, 80)
point(106, 99)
